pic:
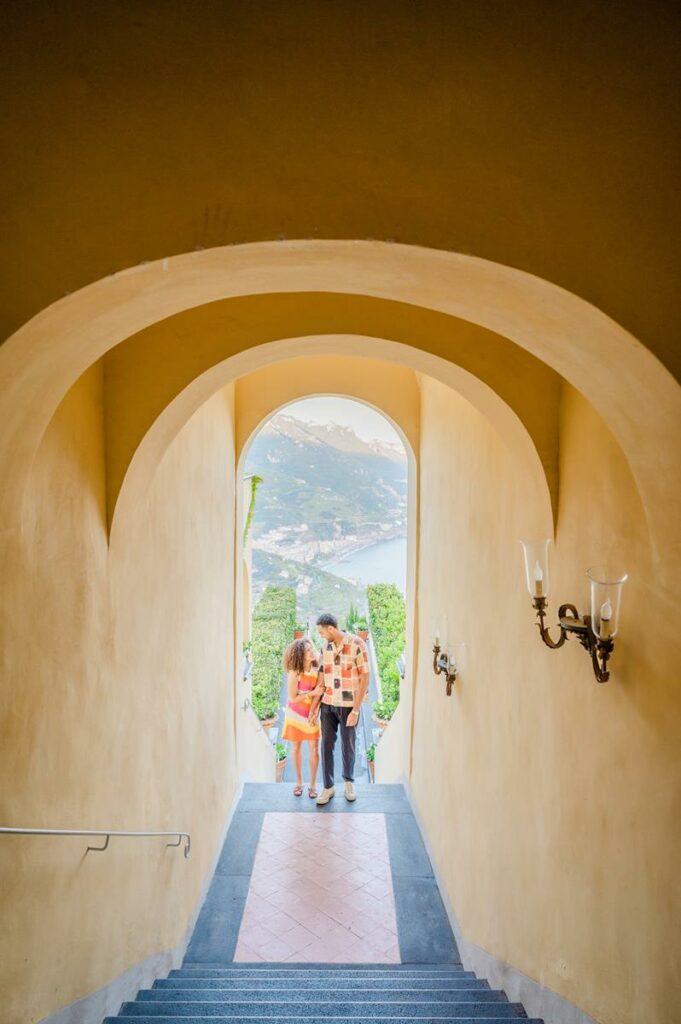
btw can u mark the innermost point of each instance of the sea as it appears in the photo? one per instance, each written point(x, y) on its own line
point(383, 562)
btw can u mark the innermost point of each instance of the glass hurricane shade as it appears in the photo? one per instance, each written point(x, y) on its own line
point(455, 655)
point(606, 585)
point(438, 630)
point(536, 553)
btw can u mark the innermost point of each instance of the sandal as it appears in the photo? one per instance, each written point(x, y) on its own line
point(297, 790)
point(312, 793)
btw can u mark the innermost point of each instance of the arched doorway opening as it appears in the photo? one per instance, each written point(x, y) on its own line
point(331, 525)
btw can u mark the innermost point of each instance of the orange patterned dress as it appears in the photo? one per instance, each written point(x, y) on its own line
point(297, 716)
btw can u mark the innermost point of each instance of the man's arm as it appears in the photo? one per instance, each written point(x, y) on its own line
point(362, 664)
point(360, 693)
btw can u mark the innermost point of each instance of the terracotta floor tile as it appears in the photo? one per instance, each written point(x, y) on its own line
point(368, 903)
point(320, 924)
point(381, 939)
point(310, 955)
point(279, 900)
point(279, 923)
point(359, 876)
point(362, 926)
point(244, 953)
point(300, 937)
point(255, 936)
point(340, 887)
point(321, 892)
point(364, 955)
point(275, 951)
point(260, 912)
point(264, 886)
point(376, 870)
point(378, 887)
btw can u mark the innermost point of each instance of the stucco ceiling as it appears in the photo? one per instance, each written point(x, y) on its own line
point(540, 136)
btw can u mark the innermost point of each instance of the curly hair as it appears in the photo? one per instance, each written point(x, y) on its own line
point(327, 619)
point(294, 656)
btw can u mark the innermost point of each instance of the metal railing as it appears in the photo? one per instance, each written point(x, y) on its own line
point(94, 832)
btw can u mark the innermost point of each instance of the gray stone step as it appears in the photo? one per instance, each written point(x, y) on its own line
point(362, 1009)
point(366, 983)
point(278, 971)
point(311, 1019)
point(329, 997)
point(265, 966)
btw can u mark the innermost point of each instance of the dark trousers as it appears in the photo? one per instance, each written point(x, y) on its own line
point(331, 718)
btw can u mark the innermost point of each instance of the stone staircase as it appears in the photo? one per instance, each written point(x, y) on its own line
point(310, 993)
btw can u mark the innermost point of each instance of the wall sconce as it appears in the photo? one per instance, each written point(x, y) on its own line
point(446, 661)
point(595, 632)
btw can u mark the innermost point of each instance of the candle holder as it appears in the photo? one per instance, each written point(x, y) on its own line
point(595, 632)
point(442, 666)
point(445, 663)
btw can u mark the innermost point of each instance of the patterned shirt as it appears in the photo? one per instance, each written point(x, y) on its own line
point(344, 668)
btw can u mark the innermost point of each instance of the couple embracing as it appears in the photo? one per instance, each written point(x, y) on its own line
point(325, 689)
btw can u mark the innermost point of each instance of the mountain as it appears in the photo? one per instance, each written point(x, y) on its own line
point(325, 491)
point(316, 591)
point(342, 438)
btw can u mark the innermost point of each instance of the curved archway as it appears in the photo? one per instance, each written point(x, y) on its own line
point(40, 362)
point(177, 411)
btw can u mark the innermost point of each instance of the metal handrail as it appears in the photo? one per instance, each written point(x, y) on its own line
point(94, 832)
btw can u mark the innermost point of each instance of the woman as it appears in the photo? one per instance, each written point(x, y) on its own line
point(300, 661)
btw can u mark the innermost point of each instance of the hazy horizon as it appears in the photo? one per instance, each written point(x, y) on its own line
point(368, 424)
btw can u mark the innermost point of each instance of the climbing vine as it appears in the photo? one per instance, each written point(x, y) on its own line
point(255, 483)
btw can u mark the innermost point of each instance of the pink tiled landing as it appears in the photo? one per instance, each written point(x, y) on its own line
point(320, 892)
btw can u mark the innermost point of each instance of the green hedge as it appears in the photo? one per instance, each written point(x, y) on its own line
point(388, 619)
point(274, 619)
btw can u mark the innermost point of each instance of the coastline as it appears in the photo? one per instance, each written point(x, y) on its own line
point(349, 553)
point(343, 555)
point(342, 549)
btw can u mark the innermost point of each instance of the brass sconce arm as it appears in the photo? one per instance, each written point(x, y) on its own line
point(442, 666)
point(570, 622)
point(539, 603)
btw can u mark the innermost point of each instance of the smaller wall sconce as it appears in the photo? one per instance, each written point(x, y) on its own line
point(446, 657)
point(595, 632)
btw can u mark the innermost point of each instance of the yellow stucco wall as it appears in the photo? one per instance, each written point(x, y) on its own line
point(542, 136)
point(116, 704)
point(548, 799)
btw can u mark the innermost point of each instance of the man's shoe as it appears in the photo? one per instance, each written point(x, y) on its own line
point(350, 792)
point(325, 796)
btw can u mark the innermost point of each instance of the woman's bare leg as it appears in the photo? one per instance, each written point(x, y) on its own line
point(313, 749)
point(298, 762)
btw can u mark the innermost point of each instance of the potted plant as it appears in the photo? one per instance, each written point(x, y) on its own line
point(299, 631)
point(383, 712)
point(362, 629)
point(351, 618)
point(371, 754)
point(281, 754)
point(268, 716)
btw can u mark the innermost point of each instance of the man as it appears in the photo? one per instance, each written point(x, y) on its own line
point(344, 668)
